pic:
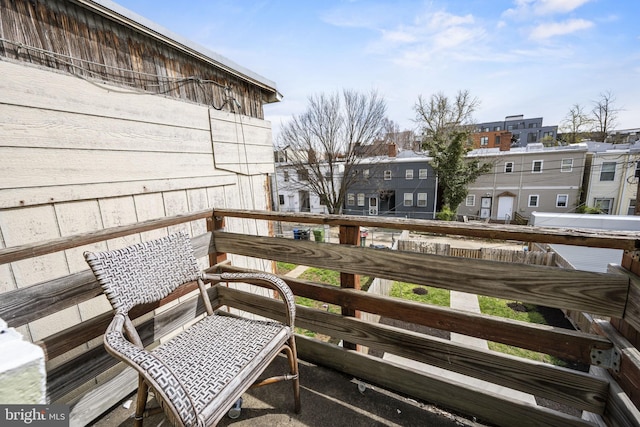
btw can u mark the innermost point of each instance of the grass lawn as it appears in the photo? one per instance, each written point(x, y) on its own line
point(491, 306)
point(425, 294)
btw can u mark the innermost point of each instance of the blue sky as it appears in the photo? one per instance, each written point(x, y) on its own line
point(531, 57)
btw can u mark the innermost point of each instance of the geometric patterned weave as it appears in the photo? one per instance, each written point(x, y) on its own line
point(194, 367)
point(145, 272)
point(204, 366)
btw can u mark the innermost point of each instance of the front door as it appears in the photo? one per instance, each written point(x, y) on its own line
point(485, 207)
point(505, 207)
point(373, 206)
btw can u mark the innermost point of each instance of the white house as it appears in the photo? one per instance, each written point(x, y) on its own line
point(612, 180)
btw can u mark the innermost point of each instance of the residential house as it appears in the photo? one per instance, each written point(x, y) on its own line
point(524, 180)
point(523, 131)
point(290, 186)
point(403, 186)
point(611, 181)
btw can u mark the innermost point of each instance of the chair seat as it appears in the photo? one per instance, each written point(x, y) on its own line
point(214, 356)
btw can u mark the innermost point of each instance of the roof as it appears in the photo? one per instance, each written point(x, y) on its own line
point(529, 149)
point(583, 258)
point(129, 18)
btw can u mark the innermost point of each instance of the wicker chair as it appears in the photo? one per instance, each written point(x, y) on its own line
point(200, 374)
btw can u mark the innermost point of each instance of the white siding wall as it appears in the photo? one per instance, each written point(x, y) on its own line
point(76, 157)
point(624, 186)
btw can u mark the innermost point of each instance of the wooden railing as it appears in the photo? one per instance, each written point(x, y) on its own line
point(604, 294)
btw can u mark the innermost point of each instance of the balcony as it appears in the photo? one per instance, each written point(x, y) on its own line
point(607, 305)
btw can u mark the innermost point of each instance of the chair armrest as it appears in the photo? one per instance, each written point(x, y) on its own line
point(267, 279)
point(154, 371)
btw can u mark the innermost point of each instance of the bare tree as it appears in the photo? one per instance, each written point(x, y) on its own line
point(576, 125)
point(446, 126)
point(604, 115)
point(440, 115)
point(391, 134)
point(329, 139)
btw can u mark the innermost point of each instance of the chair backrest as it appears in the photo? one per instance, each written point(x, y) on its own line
point(145, 272)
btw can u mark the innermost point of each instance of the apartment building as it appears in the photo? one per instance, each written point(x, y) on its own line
point(524, 131)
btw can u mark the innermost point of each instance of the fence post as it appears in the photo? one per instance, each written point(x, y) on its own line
point(215, 223)
point(350, 235)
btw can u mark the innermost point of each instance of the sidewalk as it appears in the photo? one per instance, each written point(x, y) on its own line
point(461, 301)
point(464, 302)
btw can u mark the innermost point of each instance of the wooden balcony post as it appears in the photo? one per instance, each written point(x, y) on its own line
point(216, 223)
point(350, 235)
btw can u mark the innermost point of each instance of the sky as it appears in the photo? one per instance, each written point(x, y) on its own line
point(532, 57)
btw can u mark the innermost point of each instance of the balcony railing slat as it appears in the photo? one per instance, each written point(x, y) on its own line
point(599, 293)
point(17, 253)
point(25, 305)
point(559, 342)
point(483, 404)
point(592, 238)
point(578, 389)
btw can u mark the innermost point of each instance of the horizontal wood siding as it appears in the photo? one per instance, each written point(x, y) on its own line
point(72, 38)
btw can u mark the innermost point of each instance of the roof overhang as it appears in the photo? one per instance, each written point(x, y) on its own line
point(117, 13)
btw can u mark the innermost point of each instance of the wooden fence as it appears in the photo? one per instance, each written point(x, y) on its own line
point(492, 254)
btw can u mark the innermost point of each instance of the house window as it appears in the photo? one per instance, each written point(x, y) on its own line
point(548, 134)
point(508, 167)
point(632, 207)
point(360, 199)
point(471, 200)
point(281, 199)
point(408, 199)
point(422, 173)
point(365, 173)
point(637, 174)
point(422, 200)
point(604, 205)
point(533, 125)
point(566, 165)
point(484, 141)
point(608, 171)
point(533, 200)
point(387, 175)
point(497, 128)
point(351, 199)
point(286, 176)
point(496, 142)
point(303, 175)
point(408, 174)
point(532, 137)
point(537, 166)
point(562, 200)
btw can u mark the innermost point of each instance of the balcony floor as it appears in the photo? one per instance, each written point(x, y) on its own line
point(329, 398)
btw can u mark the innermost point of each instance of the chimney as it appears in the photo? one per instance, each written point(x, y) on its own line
point(392, 150)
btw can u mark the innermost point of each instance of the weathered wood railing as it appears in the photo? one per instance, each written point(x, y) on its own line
point(604, 294)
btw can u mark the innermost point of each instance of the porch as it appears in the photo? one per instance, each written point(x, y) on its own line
point(607, 394)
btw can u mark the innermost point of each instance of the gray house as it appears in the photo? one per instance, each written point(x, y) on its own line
point(526, 180)
point(402, 186)
point(523, 131)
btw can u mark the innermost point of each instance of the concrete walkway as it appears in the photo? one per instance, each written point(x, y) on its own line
point(464, 302)
point(461, 301)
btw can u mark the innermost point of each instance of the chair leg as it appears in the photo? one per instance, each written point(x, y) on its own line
point(293, 364)
point(143, 394)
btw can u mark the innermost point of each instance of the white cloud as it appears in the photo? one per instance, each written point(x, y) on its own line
point(552, 29)
point(525, 8)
